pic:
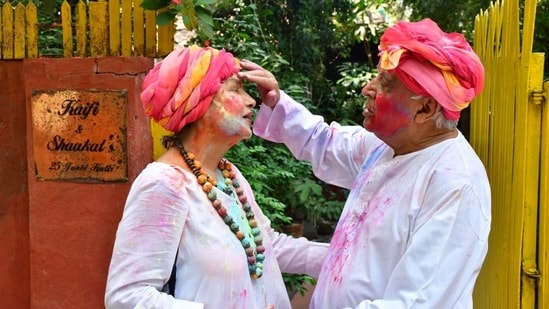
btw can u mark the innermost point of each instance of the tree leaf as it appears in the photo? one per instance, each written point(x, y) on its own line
point(189, 21)
point(165, 18)
point(154, 4)
point(205, 16)
point(204, 2)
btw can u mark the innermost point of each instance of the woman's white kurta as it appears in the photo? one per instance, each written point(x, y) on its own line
point(166, 209)
point(414, 230)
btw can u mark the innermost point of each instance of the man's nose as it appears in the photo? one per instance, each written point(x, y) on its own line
point(365, 89)
point(368, 90)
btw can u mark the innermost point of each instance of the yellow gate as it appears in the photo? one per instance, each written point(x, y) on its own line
point(509, 130)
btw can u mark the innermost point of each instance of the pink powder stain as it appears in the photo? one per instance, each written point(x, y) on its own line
point(231, 113)
point(347, 238)
point(342, 248)
point(232, 104)
point(376, 212)
point(390, 116)
point(244, 296)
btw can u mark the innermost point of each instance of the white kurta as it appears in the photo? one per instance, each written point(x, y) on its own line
point(166, 209)
point(414, 230)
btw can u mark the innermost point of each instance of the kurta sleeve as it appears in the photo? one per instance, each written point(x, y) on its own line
point(336, 152)
point(454, 237)
point(146, 243)
point(299, 255)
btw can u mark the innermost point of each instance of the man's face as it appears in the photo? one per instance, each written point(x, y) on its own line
point(388, 109)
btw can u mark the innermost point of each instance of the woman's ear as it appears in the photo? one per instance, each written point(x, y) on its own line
point(427, 109)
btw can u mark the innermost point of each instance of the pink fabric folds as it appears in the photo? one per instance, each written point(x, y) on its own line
point(180, 88)
point(433, 63)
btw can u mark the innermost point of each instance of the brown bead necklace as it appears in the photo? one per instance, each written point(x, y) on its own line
point(255, 256)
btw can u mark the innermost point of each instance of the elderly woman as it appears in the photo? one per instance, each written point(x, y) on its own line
point(414, 229)
point(194, 208)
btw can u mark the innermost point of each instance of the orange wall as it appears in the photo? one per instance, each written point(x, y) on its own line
point(14, 212)
point(59, 244)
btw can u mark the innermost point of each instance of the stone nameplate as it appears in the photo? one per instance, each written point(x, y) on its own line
point(80, 135)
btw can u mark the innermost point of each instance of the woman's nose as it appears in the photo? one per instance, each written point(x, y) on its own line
point(250, 102)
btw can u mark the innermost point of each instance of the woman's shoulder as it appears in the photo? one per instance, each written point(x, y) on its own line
point(163, 174)
point(159, 169)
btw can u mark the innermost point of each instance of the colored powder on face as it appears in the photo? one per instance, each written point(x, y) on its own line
point(230, 115)
point(390, 116)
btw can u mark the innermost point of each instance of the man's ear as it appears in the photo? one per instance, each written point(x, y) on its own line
point(427, 109)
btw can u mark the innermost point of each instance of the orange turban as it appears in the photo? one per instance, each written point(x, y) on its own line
point(180, 88)
point(433, 63)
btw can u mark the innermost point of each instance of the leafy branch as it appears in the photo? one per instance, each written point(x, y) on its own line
point(196, 14)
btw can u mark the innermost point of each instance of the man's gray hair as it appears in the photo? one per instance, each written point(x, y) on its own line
point(442, 122)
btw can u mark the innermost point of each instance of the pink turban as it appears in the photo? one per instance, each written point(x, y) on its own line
point(180, 88)
point(433, 63)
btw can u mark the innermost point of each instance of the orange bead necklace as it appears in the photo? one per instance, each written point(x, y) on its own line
point(255, 256)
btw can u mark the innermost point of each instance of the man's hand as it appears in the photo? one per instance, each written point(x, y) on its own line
point(267, 84)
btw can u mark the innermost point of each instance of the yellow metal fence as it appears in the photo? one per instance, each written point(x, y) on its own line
point(543, 249)
point(101, 28)
point(510, 135)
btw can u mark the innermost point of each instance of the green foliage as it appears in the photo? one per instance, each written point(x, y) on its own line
point(257, 163)
point(308, 34)
point(294, 284)
point(50, 34)
point(49, 42)
point(155, 4)
point(457, 15)
point(353, 76)
point(165, 17)
point(195, 14)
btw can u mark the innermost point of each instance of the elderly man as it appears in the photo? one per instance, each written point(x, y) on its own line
point(414, 230)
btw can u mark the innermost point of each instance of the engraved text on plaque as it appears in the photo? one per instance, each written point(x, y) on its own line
point(80, 135)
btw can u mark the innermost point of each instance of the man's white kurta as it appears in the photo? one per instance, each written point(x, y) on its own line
point(414, 230)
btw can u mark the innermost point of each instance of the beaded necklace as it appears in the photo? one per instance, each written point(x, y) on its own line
point(255, 256)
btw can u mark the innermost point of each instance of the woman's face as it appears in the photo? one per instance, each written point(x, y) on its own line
point(231, 109)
